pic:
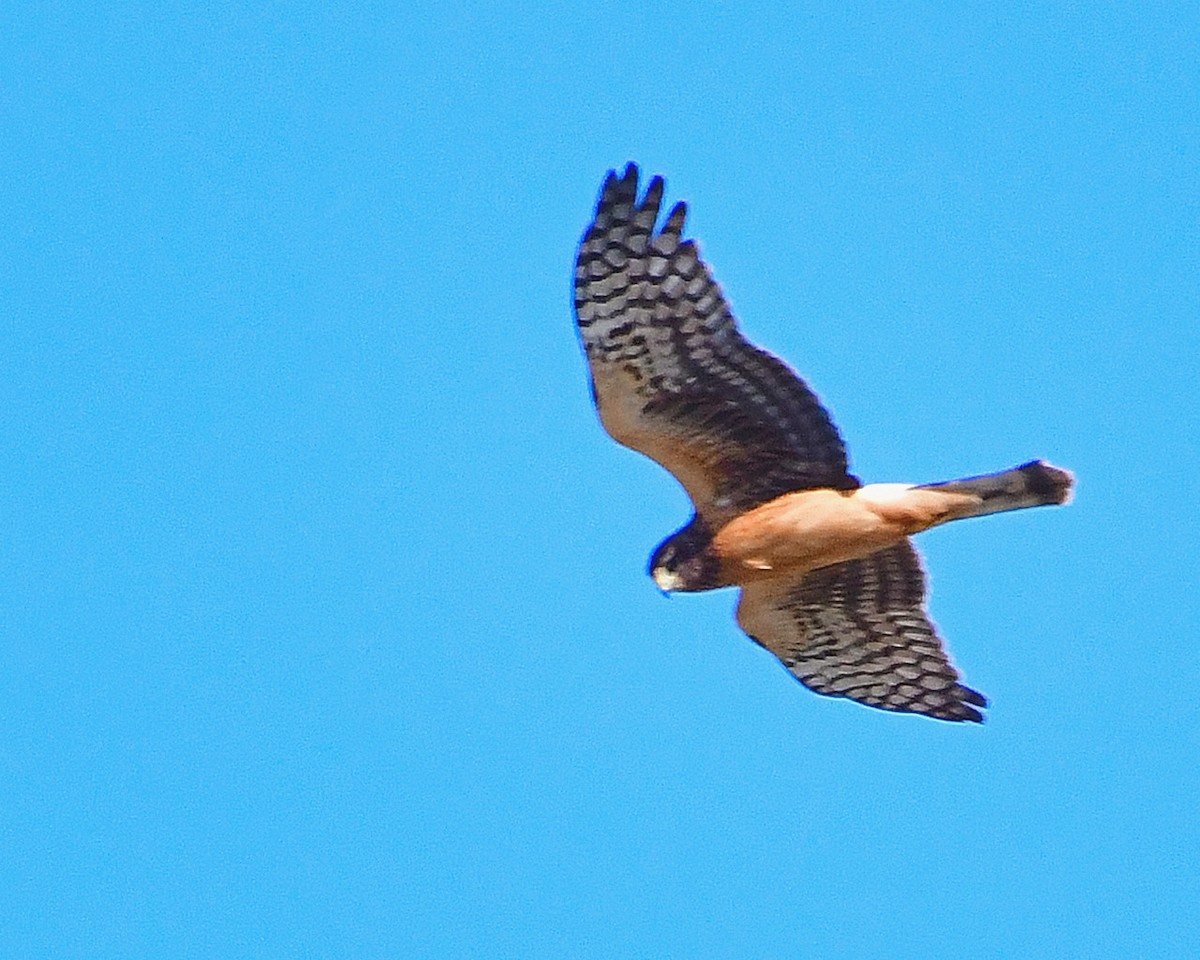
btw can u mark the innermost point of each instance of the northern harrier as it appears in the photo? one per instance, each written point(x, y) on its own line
point(830, 581)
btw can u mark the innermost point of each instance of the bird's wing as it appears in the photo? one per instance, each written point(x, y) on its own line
point(674, 379)
point(859, 630)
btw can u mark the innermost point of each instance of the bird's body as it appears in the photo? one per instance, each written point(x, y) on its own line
point(830, 582)
point(804, 531)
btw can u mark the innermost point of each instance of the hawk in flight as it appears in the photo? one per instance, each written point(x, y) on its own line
point(830, 582)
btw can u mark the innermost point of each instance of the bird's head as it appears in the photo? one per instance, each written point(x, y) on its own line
point(684, 561)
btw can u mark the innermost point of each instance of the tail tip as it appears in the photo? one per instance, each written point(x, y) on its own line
point(1054, 484)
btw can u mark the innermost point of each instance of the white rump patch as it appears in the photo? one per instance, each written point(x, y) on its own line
point(883, 492)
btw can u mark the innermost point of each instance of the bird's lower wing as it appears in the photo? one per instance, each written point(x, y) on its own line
point(859, 630)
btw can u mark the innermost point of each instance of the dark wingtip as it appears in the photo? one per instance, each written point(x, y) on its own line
point(609, 188)
point(617, 189)
point(654, 193)
point(973, 696)
point(968, 700)
point(960, 709)
point(674, 224)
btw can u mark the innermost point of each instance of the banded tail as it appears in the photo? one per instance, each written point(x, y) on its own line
point(1033, 484)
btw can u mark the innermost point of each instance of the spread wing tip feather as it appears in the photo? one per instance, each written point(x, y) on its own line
point(620, 189)
point(675, 220)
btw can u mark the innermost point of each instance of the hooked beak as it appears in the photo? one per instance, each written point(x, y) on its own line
point(665, 580)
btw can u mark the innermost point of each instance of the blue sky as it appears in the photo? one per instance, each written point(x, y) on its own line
point(326, 624)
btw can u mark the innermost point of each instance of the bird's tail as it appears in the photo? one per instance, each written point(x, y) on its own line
point(1033, 484)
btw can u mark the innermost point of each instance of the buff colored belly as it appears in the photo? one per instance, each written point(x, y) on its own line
point(816, 528)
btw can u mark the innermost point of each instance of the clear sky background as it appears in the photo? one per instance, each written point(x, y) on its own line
point(326, 627)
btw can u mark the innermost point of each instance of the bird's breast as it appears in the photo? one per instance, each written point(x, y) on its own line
point(806, 531)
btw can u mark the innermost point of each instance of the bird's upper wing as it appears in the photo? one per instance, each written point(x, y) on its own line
point(859, 630)
point(672, 376)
